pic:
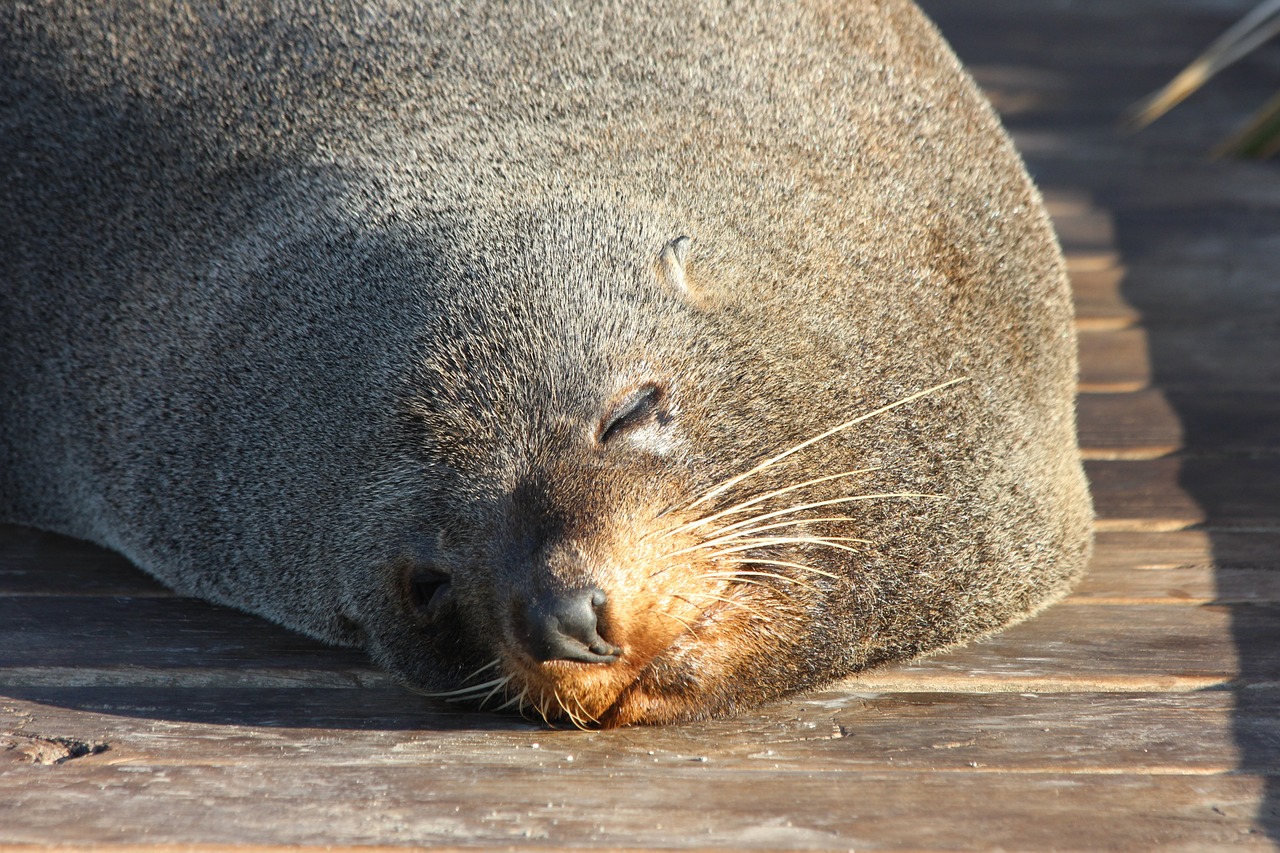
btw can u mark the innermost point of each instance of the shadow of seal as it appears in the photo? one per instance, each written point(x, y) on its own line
point(625, 365)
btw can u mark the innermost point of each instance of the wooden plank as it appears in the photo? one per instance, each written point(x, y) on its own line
point(1188, 567)
point(569, 800)
point(1084, 229)
point(1236, 422)
point(1209, 549)
point(1190, 276)
point(1072, 733)
point(1144, 494)
point(1091, 261)
point(1138, 425)
point(1157, 421)
point(1233, 492)
point(1114, 361)
point(1098, 302)
point(88, 633)
point(1080, 646)
point(1059, 201)
point(33, 562)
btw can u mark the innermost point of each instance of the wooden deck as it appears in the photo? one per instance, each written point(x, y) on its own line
point(1143, 712)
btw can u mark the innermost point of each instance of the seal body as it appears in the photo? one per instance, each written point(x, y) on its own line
point(629, 364)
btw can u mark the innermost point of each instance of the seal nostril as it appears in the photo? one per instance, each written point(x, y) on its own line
point(567, 627)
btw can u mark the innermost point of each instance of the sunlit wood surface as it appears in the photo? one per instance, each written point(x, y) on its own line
point(1143, 712)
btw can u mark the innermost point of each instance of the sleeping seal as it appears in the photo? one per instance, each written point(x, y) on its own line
point(627, 363)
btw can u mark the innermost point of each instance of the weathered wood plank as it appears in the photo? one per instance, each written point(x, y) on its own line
point(1083, 230)
point(1082, 261)
point(1077, 646)
point(1243, 422)
point(570, 800)
point(93, 633)
point(1138, 425)
point(312, 730)
point(1186, 567)
point(1205, 549)
point(1158, 421)
point(1114, 361)
point(1142, 495)
point(1098, 302)
point(33, 562)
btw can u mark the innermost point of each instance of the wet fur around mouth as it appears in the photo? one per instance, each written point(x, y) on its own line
point(624, 365)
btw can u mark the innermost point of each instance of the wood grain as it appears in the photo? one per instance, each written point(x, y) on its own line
point(1137, 425)
point(1098, 301)
point(1113, 362)
point(1076, 733)
point(570, 798)
point(1144, 494)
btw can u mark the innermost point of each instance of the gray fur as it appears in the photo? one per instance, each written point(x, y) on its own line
point(292, 299)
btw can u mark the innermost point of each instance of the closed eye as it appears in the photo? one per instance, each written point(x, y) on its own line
point(636, 408)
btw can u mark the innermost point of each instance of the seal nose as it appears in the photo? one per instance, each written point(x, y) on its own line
point(566, 626)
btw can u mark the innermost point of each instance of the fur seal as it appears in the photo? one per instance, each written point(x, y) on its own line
point(631, 363)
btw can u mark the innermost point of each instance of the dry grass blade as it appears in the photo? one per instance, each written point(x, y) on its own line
point(1251, 31)
point(1259, 139)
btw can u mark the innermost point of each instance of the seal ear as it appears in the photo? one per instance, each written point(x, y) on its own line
point(671, 264)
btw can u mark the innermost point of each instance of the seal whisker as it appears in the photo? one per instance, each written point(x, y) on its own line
point(764, 497)
point(490, 665)
point(491, 693)
point(733, 481)
point(688, 626)
point(746, 577)
point(739, 534)
point(585, 713)
point(518, 699)
point(760, 542)
point(568, 712)
point(540, 705)
point(784, 564)
point(733, 601)
point(789, 523)
point(816, 504)
point(471, 689)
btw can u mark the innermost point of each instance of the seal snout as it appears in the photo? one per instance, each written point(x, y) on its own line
point(566, 626)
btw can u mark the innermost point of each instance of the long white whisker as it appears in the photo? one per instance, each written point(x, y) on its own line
point(475, 689)
point(733, 481)
point(494, 691)
point(746, 577)
point(814, 505)
point(490, 665)
point(761, 498)
point(747, 545)
point(784, 564)
point(738, 534)
point(687, 626)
